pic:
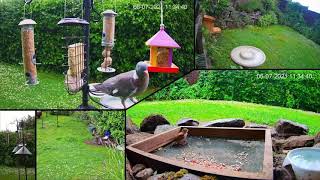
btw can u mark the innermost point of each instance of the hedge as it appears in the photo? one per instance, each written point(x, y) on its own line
point(300, 90)
point(133, 27)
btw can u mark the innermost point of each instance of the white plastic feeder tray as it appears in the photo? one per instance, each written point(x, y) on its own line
point(248, 56)
point(112, 102)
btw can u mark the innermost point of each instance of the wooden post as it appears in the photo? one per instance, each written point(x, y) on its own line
point(28, 51)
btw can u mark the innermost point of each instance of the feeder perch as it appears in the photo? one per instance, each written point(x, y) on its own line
point(107, 42)
point(28, 51)
point(161, 53)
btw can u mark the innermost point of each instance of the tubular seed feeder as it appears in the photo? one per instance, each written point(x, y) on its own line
point(28, 51)
point(108, 40)
point(161, 51)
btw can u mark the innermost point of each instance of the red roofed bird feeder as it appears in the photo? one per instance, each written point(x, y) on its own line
point(161, 51)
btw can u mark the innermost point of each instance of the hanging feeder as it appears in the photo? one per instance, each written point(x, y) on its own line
point(17, 148)
point(74, 77)
point(23, 151)
point(28, 51)
point(77, 51)
point(161, 51)
point(108, 40)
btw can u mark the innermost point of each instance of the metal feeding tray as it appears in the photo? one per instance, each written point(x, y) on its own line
point(225, 152)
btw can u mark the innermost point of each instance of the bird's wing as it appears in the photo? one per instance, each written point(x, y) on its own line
point(120, 85)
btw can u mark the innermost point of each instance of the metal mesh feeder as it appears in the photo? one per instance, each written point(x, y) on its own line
point(28, 51)
point(248, 56)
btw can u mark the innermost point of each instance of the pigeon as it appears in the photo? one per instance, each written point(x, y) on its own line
point(125, 85)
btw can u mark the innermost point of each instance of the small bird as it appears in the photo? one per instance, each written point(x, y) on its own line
point(181, 139)
point(125, 85)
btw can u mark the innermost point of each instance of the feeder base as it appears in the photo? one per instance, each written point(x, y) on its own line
point(111, 102)
point(172, 69)
point(32, 84)
point(72, 22)
point(106, 70)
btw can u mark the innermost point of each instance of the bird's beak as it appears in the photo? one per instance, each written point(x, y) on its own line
point(146, 71)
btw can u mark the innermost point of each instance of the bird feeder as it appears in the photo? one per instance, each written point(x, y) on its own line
point(161, 53)
point(28, 51)
point(17, 148)
point(73, 79)
point(23, 151)
point(108, 40)
point(161, 50)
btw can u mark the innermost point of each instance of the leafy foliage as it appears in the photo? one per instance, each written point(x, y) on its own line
point(215, 7)
point(300, 89)
point(113, 121)
point(268, 19)
point(293, 16)
point(135, 24)
point(251, 6)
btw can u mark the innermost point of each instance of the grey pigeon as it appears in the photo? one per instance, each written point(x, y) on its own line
point(125, 85)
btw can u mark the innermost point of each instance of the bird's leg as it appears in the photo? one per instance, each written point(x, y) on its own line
point(123, 102)
point(134, 100)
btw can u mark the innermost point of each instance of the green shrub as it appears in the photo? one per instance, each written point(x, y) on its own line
point(293, 16)
point(251, 6)
point(215, 7)
point(113, 121)
point(270, 5)
point(268, 19)
point(245, 85)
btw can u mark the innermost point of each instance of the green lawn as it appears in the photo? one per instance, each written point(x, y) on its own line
point(205, 110)
point(63, 154)
point(11, 173)
point(284, 47)
point(50, 93)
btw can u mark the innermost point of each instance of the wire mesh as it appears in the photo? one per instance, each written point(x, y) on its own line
point(75, 58)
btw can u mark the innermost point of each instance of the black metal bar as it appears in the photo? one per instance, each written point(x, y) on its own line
point(86, 32)
point(23, 144)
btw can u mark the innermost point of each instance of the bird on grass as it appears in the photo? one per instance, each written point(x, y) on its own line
point(125, 85)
